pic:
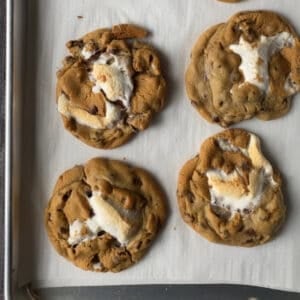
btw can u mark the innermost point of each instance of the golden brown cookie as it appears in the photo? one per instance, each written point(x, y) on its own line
point(110, 86)
point(104, 215)
point(230, 193)
point(246, 67)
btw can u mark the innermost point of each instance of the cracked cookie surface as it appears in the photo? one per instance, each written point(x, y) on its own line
point(104, 215)
point(247, 67)
point(110, 86)
point(230, 193)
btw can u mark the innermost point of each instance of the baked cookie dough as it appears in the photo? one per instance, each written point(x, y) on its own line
point(103, 215)
point(246, 67)
point(230, 193)
point(110, 86)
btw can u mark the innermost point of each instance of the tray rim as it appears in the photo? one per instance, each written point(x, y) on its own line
point(8, 149)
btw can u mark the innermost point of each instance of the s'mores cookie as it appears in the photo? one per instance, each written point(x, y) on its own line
point(104, 215)
point(247, 67)
point(230, 193)
point(110, 86)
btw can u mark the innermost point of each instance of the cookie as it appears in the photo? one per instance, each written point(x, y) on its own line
point(104, 215)
point(245, 68)
point(230, 193)
point(110, 86)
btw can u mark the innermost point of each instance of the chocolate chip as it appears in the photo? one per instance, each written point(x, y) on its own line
point(95, 259)
point(94, 110)
point(120, 104)
point(66, 195)
point(245, 167)
point(250, 232)
point(103, 93)
point(110, 61)
point(203, 225)
point(241, 228)
point(117, 244)
point(246, 211)
point(100, 233)
point(91, 213)
point(216, 119)
point(75, 43)
point(88, 193)
point(69, 59)
point(138, 246)
point(71, 124)
point(137, 181)
point(64, 230)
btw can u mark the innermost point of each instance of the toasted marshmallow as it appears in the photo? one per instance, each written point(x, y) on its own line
point(66, 108)
point(106, 217)
point(75, 233)
point(109, 219)
point(112, 74)
point(230, 191)
point(255, 58)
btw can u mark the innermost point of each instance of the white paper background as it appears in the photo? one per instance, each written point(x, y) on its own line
point(179, 255)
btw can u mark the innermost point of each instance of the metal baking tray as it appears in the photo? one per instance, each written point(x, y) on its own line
point(16, 117)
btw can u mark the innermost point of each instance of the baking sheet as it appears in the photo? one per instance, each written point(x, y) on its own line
point(179, 255)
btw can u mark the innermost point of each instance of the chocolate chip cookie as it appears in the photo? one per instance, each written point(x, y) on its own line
point(230, 193)
point(246, 67)
point(103, 215)
point(110, 86)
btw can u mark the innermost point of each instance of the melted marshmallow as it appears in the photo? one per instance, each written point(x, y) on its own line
point(226, 146)
point(106, 218)
point(111, 74)
point(229, 191)
point(255, 59)
point(75, 235)
point(66, 108)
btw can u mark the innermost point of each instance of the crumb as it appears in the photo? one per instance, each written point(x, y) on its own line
point(174, 228)
point(79, 17)
point(124, 158)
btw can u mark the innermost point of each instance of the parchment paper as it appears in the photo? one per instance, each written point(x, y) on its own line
point(179, 255)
